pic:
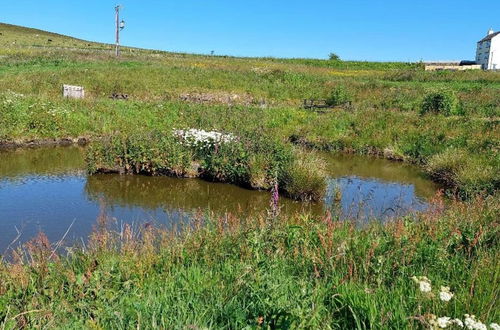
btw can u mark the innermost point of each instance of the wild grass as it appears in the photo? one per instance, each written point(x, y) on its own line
point(250, 160)
point(153, 75)
point(230, 272)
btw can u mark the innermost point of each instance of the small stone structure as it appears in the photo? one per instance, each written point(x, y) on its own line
point(73, 92)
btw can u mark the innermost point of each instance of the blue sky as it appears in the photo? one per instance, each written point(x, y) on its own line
point(380, 30)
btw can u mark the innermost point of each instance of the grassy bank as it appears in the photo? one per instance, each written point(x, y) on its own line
point(234, 273)
point(253, 81)
point(459, 151)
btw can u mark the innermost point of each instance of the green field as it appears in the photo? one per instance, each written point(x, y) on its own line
point(269, 272)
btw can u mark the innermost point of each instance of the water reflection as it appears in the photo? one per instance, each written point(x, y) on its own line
point(48, 161)
point(188, 195)
point(47, 189)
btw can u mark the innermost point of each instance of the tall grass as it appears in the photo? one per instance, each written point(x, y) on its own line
point(232, 272)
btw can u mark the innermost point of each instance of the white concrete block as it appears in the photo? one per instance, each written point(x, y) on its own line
point(73, 92)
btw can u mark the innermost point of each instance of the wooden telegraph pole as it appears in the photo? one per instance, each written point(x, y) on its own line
point(119, 26)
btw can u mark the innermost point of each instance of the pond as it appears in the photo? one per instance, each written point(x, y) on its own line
point(47, 189)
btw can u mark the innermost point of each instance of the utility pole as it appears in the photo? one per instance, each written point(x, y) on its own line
point(119, 26)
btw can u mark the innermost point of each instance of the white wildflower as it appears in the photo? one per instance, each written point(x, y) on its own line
point(423, 282)
point(458, 322)
point(445, 294)
point(495, 326)
point(473, 324)
point(201, 138)
point(444, 322)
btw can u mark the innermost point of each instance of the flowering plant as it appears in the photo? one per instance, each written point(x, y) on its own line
point(203, 139)
point(469, 321)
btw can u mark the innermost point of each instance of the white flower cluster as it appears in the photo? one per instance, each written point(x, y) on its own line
point(57, 111)
point(11, 96)
point(423, 282)
point(444, 322)
point(495, 326)
point(196, 137)
point(471, 323)
point(445, 294)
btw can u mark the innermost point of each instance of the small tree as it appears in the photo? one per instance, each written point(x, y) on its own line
point(334, 57)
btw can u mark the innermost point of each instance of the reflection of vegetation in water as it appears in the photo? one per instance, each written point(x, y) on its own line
point(185, 194)
point(347, 198)
point(341, 165)
point(41, 161)
point(188, 194)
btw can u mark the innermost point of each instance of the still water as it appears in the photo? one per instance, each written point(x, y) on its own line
point(48, 190)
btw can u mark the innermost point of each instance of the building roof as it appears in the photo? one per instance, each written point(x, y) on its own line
point(490, 36)
point(442, 63)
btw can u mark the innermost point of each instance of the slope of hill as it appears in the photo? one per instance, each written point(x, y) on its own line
point(19, 36)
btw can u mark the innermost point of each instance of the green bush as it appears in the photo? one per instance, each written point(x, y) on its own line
point(441, 101)
point(338, 96)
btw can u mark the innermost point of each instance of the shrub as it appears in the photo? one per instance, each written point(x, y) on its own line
point(226, 163)
point(441, 101)
point(333, 57)
point(340, 95)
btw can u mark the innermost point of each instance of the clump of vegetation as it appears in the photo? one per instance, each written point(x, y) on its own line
point(247, 160)
point(467, 174)
point(295, 272)
point(442, 101)
point(304, 178)
point(339, 96)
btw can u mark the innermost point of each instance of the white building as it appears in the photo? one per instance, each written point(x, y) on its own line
point(488, 51)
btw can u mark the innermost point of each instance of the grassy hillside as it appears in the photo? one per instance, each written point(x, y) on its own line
point(271, 272)
point(13, 36)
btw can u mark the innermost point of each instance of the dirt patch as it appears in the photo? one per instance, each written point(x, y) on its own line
point(222, 98)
